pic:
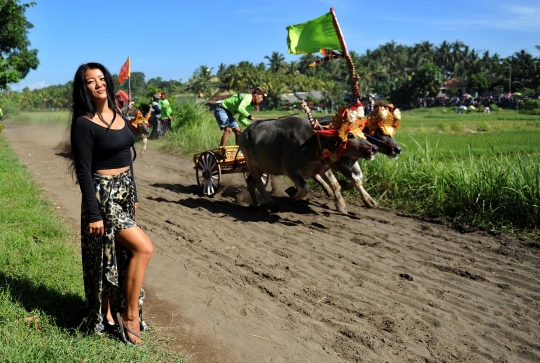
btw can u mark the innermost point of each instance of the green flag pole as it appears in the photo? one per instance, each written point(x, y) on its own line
point(354, 78)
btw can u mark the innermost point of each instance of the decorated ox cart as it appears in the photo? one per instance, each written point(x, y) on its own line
point(211, 164)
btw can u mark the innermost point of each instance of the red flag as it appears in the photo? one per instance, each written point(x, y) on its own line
point(125, 72)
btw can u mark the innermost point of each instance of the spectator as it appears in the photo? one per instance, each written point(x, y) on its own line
point(1, 114)
point(155, 119)
point(166, 113)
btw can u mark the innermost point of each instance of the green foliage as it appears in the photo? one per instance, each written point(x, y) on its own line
point(192, 138)
point(171, 87)
point(484, 126)
point(494, 107)
point(526, 91)
point(188, 113)
point(457, 127)
point(531, 104)
point(443, 126)
point(490, 191)
point(16, 60)
point(397, 71)
point(478, 82)
point(137, 82)
point(201, 83)
point(9, 107)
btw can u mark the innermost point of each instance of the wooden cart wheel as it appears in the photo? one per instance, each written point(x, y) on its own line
point(208, 173)
point(265, 178)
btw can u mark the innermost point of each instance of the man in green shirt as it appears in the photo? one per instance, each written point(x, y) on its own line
point(239, 104)
point(1, 114)
point(166, 112)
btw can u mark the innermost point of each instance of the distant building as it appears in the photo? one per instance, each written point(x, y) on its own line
point(298, 96)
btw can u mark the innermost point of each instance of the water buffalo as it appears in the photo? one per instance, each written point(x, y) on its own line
point(290, 147)
point(379, 135)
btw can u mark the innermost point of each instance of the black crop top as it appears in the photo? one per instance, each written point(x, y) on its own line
point(94, 148)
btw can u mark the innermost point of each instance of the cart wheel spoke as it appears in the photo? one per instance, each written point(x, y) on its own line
point(208, 173)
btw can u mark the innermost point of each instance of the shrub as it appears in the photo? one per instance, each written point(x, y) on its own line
point(443, 126)
point(484, 126)
point(457, 127)
point(188, 113)
point(531, 104)
point(493, 107)
point(9, 107)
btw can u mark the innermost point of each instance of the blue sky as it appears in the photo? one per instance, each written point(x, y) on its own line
point(172, 38)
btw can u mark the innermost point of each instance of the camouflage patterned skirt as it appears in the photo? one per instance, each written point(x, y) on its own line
point(105, 263)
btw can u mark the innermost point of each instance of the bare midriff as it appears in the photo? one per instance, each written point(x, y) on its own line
point(112, 171)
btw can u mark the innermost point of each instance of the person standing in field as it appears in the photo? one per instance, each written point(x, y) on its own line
point(155, 119)
point(1, 114)
point(115, 251)
point(166, 113)
point(241, 104)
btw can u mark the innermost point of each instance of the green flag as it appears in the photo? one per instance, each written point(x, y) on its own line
point(312, 36)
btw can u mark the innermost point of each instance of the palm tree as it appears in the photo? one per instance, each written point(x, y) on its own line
point(304, 64)
point(457, 55)
point(444, 57)
point(221, 69)
point(230, 79)
point(275, 61)
point(389, 54)
point(200, 82)
point(525, 70)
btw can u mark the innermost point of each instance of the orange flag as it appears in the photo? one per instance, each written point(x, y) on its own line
point(125, 72)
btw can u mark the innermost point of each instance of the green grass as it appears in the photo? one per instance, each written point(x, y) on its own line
point(481, 143)
point(41, 288)
point(495, 192)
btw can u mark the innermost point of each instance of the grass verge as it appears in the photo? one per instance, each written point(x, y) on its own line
point(41, 288)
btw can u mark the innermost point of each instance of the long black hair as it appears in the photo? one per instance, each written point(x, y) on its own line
point(82, 103)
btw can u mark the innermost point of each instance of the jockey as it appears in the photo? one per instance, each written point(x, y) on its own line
point(241, 104)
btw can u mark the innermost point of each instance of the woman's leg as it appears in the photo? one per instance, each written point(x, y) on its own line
point(137, 242)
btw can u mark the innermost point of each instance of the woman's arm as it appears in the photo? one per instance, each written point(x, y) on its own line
point(82, 144)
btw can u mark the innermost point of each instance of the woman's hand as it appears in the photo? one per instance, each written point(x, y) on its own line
point(136, 205)
point(97, 228)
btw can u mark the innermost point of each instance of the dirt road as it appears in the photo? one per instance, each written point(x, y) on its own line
point(308, 284)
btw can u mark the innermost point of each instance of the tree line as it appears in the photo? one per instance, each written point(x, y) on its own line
point(400, 72)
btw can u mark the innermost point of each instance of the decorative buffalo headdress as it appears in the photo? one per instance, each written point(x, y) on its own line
point(387, 118)
point(347, 120)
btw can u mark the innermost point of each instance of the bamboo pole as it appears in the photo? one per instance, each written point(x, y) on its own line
point(354, 78)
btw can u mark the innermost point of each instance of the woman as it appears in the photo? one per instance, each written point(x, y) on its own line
point(115, 251)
